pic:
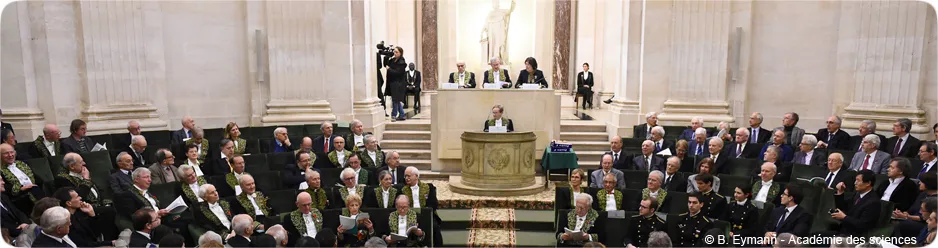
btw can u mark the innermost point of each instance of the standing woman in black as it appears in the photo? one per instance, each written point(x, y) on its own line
point(397, 85)
point(584, 85)
point(531, 75)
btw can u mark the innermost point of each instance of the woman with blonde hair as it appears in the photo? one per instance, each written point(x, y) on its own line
point(358, 235)
point(233, 133)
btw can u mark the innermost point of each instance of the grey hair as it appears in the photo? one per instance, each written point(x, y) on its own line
point(309, 173)
point(838, 119)
point(776, 150)
point(501, 109)
point(717, 140)
point(613, 176)
point(383, 173)
point(161, 154)
point(119, 155)
point(771, 165)
point(69, 160)
point(759, 116)
point(658, 130)
point(387, 156)
point(240, 224)
point(375, 242)
point(700, 130)
point(137, 138)
point(209, 236)
point(131, 123)
point(810, 139)
point(354, 122)
point(657, 173)
point(744, 130)
point(659, 239)
point(404, 197)
point(460, 62)
point(140, 171)
point(204, 189)
point(322, 127)
point(244, 177)
point(53, 218)
point(223, 142)
point(650, 114)
point(698, 119)
point(414, 169)
point(906, 124)
point(197, 131)
point(370, 137)
point(873, 139)
point(837, 155)
point(183, 168)
point(347, 170)
point(587, 197)
point(493, 60)
point(869, 124)
point(649, 142)
point(278, 232)
point(675, 158)
point(278, 130)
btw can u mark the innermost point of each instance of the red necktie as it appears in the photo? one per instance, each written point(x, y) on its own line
point(895, 152)
point(326, 146)
point(866, 163)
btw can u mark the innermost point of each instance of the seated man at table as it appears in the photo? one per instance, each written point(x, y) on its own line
point(498, 119)
point(462, 78)
point(496, 75)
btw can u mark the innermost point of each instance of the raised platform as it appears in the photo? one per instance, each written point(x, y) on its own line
point(542, 200)
point(456, 185)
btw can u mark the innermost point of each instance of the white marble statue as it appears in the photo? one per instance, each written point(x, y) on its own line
point(495, 32)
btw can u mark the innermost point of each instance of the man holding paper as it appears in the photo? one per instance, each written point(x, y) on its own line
point(497, 76)
point(139, 197)
point(498, 121)
point(579, 224)
point(355, 227)
point(403, 225)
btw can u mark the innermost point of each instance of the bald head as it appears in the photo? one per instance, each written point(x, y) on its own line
point(307, 144)
point(51, 133)
point(7, 154)
point(188, 122)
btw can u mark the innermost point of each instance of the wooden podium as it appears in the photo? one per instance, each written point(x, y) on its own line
point(497, 164)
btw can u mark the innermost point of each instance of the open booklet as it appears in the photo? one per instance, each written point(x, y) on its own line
point(351, 224)
point(398, 237)
point(177, 206)
point(577, 235)
point(99, 147)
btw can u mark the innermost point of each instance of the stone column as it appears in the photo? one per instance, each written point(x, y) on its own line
point(19, 96)
point(881, 50)
point(367, 106)
point(697, 84)
point(562, 39)
point(429, 50)
point(296, 49)
point(122, 66)
point(622, 38)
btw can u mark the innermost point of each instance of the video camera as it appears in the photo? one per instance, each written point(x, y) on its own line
point(385, 50)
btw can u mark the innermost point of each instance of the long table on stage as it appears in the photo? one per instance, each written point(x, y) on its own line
point(455, 111)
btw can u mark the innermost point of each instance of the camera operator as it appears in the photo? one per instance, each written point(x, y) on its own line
point(396, 66)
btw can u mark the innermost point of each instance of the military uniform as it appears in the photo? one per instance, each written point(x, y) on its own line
point(692, 229)
point(640, 227)
point(713, 204)
point(743, 219)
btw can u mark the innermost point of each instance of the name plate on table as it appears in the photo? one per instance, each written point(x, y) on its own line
point(530, 86)
point(491, 86)
point(498, 129)
point(560, 147)
point(450, 86)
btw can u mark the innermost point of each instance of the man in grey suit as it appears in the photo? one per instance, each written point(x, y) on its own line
point(808, 155)
point(643, 131)
point(870, 158)
point(597, 176)
point(648, 161)
point(121, 180)
point(164, 171)
point(793, 134)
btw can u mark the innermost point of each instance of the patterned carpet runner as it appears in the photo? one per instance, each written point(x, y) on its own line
point(492, 227)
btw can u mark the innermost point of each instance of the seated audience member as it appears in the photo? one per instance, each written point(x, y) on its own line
point(320, 196)
point(281, 141)
point(680, 149)
point(584, 219)
point(214, 213)
point(778, 140)
point(385, 193)
point(355, 141)
point(87, 226)
point(233, 133)
point(807, 154)
point(724, 129)
point(862, 215)
point(608, 198)
point(717, 156)
point(48, 145)
point(836, 173)
point(306, 242)
point(137, 148)
point(163, 170)
point(691, 132)
point(413, 188)
point(184, 133)
point(930, 231)
point(461, 77)
point(703, 167)
point(77, 142)
point(928, 153)
point(653, 189)
point(766, 190)
point(713, 202)
point(643, 131)
point(867, 127)
point(328, 238)
point(498, 120)
point(376, 242)
point(403, 222)
point(914, 220)
point(145, 220)
point(172, 240)
point(698, 145)
point(21, 185)
point(354, 236)
point(791, 133)
point(281, 237)
point(641, 225)
point(7, 137)
point(137, 196)
point(900, 190)
point(741, 147)
point(647, 161)
point(198, 139)
point(192, 159)
point(243, 227)
point(693, 223)
point(305, 221)
point(121, 180)
point(338, 156)
point(619, 160)
point(789, 216)
point(208, 238)
point(221, 165)
point(659, 239)
point(252, 203)
point(11, 218)
point(606, 168)
point(78, 177)
point(371, 156)
point(393, 162)
point(870, 158)
point(902, 144)
point(325, 142)
point(577, 187)
point(232, 180)
point(833, 137)
point(584, 82)
point(55, 229)
point(306, 146)
point(741, 214)
point(294, 175)
point(362, 176)
point(757, 134)
point(672, 180)
point(657, 136)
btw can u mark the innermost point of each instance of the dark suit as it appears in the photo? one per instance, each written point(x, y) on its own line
point(399, 171)
point(138, 240)
point(720, 165)
point(622, 162)
point(657, 163)
point(510, 125)
point(692, 148)
point(487, 80)
point(413, 86)
point(69, 144)
point(818, 158)
point(844, 175)
point(239, 241)
point(292, 176)
point(179, 135)
point(129, 203)
point(11, 216)
point(276, 146)
point(797, 223)
point(857, 140)
point(903, 195)
point(587, 93)
point(909, 147)
point(122, 141)
point(641, 131)
point(139, 161)
point(7, 126)
point(677, 183)
point(665, 145)
point(470, 77)
point(86, 229)
point(120, 182)
point(40, 151)
point(862, 214)
point(787, 152)
point(750, 151)
point(763, 136)
point(932, 170)
point(319, 143)
point(688, 135)
point(840, 140)
point(45, 241)
point(217, 166)
point(538, 78)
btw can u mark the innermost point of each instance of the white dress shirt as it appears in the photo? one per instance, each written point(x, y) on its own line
point(764, 191)
point(462, 78)
point(416, 193)
point(930, 164)
point(374, 158)
point(586, 75)
point(310, 225)
point(257, 209)
point(147, 196)
point(611, 201)
point(905, 140)
point(340, 156)
point(655, 193)
point(195, 166)
point(495, 77)
point(219, 213)
point(356, 173)
point(402, 225)
point(93, 191)
point(358, 140)
point(195, 189)
point(20, 175)
point(49, 146)
point(893, 183)
point(303, 185)
point(579, 225)
point(352, 190)
point(807, 157)
point(498, 122)
point(384, 195)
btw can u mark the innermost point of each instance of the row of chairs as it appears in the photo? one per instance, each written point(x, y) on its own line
point(616, 230)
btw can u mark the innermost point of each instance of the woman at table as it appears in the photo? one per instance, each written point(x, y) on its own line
point(233, 133)
point(498, 120)
point(357, 235)
point(531, 75)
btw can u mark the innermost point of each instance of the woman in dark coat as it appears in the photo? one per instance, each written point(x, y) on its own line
point(584, 85)
point(397, 86)
point(531, 75)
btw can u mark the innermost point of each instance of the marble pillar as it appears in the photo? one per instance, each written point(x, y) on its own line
point(699, 48)
point(122, 64)
point(366, 106)
point(429, 49)
point(622, 33)
point(881, 50)
point(296, 62)
point(561, 78)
